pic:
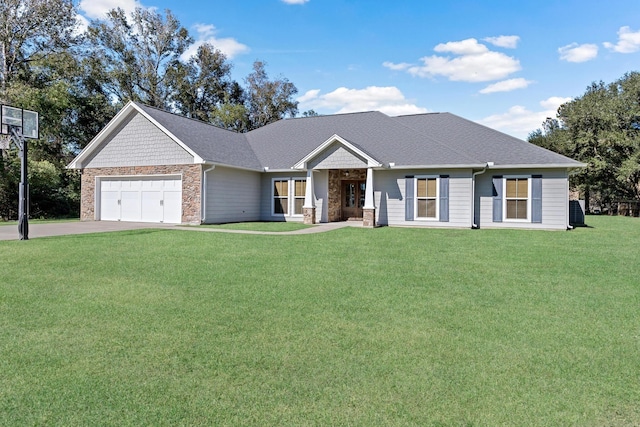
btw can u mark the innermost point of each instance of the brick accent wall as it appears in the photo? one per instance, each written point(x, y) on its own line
point(191, 187)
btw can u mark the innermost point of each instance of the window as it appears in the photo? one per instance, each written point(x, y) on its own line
point(517, 198)
point(288, 196)
point(427, 197)
point(300, 186)
point(281, 196)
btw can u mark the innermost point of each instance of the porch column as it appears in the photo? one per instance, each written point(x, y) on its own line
point(369, 209)
point(309, 207)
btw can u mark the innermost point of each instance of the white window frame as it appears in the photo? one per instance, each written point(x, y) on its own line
point(504, 198)
point(415, 198)
point(291, 197)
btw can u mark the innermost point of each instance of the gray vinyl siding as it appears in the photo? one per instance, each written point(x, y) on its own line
point(232, 195)
point(337, 156)
point(390, 197)
point(555, 199)
point(138, 142)
point(266, 181)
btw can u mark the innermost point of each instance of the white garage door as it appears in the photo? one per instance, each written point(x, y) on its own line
point(141, 199)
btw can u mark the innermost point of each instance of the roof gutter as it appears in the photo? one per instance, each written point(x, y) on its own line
point(474, 225)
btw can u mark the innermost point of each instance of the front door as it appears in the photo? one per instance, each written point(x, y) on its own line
point(353, 193)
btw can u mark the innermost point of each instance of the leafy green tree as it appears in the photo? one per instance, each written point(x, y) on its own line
point(600, 128)
point(31, 30)
point(136, 54)
point(203, 84)
point(268, 100)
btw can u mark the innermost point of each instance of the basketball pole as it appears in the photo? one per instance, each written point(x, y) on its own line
point(23, 205)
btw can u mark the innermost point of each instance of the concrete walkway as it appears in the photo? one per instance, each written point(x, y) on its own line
point(318, 228)
point(10, 232)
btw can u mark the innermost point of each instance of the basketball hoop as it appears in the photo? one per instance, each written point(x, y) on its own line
point(17, 124)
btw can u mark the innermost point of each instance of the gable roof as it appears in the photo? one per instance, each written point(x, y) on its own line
point(432, 140)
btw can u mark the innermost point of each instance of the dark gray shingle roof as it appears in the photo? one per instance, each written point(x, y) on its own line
point(282, 144)
point(433, 139)
point(211, 143)
point(482, 143)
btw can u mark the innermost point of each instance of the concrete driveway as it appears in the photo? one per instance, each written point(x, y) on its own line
point(10, 232)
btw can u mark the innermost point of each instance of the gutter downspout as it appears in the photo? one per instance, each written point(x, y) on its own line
point(473, 194)
point(203, 198)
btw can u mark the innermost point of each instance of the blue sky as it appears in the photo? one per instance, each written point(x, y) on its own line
point(505, 64)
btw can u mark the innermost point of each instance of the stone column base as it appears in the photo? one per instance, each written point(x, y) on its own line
point(309, 215)
point(369, 218)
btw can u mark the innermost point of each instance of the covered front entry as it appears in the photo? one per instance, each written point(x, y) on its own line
point(353, 194)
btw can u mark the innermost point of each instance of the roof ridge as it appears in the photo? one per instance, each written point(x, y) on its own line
point(143, 106)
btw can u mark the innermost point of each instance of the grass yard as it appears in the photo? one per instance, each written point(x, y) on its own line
point(260, 226)
point(390, 326)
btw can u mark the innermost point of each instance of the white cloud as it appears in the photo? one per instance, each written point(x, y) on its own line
point(396, 67)
point(295, 1)
point(628, 41)
point(474, 62)
point(206, 33)
point(464, 47)
point(507, 85)
point(520, 122)
point(509, 42)
point(388, 100)
point(309, 95)
point(578, 53)
point(97, 9)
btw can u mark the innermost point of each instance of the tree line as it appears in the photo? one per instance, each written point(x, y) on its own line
point(602, 129)
point(77, 81)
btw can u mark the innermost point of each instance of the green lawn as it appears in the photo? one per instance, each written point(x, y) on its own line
point(41, 221)
point(260, 226)
point(387, 326)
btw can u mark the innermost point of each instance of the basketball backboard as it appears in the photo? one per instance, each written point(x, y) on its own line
point(26, 120)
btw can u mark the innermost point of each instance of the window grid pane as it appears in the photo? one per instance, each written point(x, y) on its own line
point(298, 203)
point(281, 188)
point(431, 187)
point(422, 188)
point(280, 205)
point(422, 208)
point(300, 188)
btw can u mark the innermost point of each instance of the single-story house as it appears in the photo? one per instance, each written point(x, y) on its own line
point(435, 170)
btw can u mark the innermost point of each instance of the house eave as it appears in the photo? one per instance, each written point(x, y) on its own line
point(442, 166)
point(302, 164)
point(541, 166)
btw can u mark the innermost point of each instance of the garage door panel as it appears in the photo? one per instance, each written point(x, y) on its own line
point(130, 206)
point(173, 206)
point(152, 206)
point(109, 205)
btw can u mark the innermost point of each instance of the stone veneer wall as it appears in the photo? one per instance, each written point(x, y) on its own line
point(191, 187)
point(336, 176)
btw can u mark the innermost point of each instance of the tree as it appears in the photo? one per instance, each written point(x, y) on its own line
point(137, 54)
point(203, 84)
point(31, 30)
point(268, 100)
point(600, 128)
